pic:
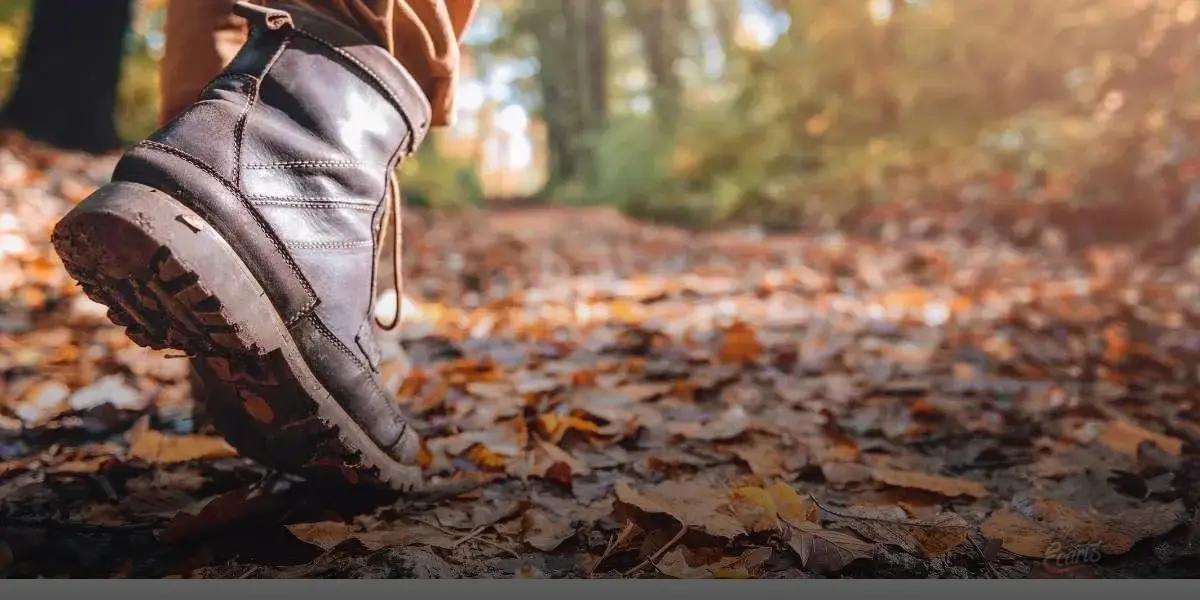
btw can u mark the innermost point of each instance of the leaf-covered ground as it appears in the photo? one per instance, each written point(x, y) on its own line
point(942, 393)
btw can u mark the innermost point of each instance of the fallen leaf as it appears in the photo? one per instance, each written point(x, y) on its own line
point(1125, 437)
point(153, 446)
point(827, 551)
point(729, 424)
point(42, 402)
point(744, 566)
point(545, 530)
point(928, 538)
point(406, 533)
point(843, 473)
point(946, 486)
point(739, 344)
point(763, 456)
point(220, 513)
point(793, 507)
point(694, 504)
point(108, 390)
point(755, 509)
point(763, 509)
point(325, 534)
point(1036, 528)
point(675, 564)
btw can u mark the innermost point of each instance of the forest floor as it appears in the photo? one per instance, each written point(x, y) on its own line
point(934, 397)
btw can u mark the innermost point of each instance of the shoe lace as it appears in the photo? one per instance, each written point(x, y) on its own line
point(391, 219)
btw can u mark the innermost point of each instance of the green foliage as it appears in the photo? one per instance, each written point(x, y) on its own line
point(137, 94)
point(871, 100)
point(13, 16)
point(432, 179)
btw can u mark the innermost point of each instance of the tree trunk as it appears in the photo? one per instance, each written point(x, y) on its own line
point(572, 51)
point(660, 25)
point(66, 90)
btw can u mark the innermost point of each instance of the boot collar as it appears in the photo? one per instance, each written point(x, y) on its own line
point(380, 67)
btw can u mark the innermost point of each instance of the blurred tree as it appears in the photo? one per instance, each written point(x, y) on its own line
point(572, 51)
point(662, 26)
point(66, 88)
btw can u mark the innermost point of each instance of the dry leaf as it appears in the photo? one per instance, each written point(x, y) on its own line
point(406, 533)
point(763, 509)
point(545, 530)
point(946, 486)
point(325, 534)
point(739, 344)
point(826, 551)
point(675, 564)
point(843, 473)
point(793, 507)
point(928, 538)
point(694, 504)
point(221, 512)
point(755, 509)
point(1034, 529)
point(763, 457)
point(729, 424)
point(154, 446)
point(1124, 437)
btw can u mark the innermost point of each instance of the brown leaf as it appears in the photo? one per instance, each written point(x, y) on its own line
point(1124, 437)
point(694, 504)
point(827, 551)
point(675, 564)
point(746, 565)
point(739, 344)
point(221, 512)
point(763, 456)
point(729, 424)
point(928, 538)
point(1042, 528)
point(545, 530)
point(325, 534)
point(406, 533)
point(843, 473)
point(156, 447)
point(551, 462)
point(680, 563)
point(946, 486)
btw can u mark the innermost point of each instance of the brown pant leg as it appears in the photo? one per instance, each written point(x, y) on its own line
point(202, 36)
point(424, 35)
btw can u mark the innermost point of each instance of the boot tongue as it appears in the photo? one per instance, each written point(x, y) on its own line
point(260, 16)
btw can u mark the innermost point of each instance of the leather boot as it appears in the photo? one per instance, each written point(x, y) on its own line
point(246, 233)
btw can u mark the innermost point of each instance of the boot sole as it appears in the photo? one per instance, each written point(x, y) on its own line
point(173, 282)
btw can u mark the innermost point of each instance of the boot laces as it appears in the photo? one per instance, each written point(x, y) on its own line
point(391, 219)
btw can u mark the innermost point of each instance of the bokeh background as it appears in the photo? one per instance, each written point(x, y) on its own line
point(768, 111)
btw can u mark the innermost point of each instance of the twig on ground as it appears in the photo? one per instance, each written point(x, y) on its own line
point(683, 528)
point(991, 568)
point(469, 536)
point(621, 536)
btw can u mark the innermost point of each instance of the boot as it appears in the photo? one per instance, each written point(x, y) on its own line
point(247, 233)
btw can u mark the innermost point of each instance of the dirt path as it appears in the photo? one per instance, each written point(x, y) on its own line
point(601, 397)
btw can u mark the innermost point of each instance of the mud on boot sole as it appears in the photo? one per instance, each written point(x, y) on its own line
point(173, 282)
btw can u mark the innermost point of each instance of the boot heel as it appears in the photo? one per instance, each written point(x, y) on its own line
point(166, 275)
point(172, 281)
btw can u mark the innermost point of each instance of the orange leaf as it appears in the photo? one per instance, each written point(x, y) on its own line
point(739, 344)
